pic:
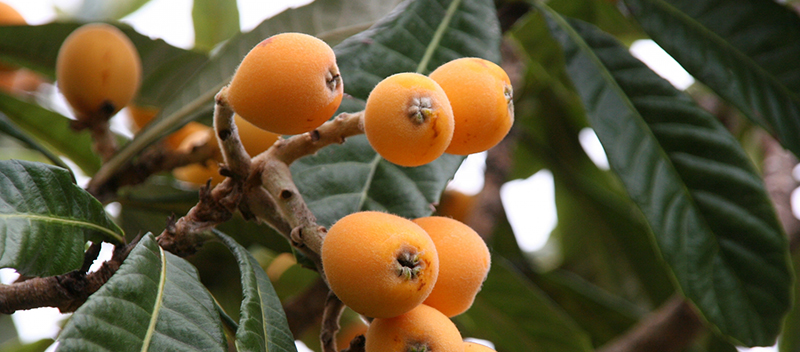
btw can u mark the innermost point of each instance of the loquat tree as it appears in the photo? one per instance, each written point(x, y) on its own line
point(227, 237)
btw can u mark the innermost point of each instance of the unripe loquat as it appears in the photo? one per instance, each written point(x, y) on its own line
point(98, 70)
point(380, 265)
point(287, 84)
point(423, 329)
point(481, 95)
point(476, 347)
point(464, 262)
point(408, 119)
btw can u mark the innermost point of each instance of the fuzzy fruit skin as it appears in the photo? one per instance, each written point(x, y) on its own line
point(360, 258)
point(421, 327)
point(287, 84)
point(476, 347)
point(481, 96)
point(98, 70)
point(10, 17)
point(464, 262)
point(393, 126)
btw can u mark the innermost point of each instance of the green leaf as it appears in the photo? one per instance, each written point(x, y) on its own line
point(196, 96)
point(8, 127)
point(746, 51)
point(517, 316)
point(418, 36)
point(343, 179)
point(47, 219)
point(155, 301)
point(214, 21)
point(165, 68)
point(54, 130)
point(790, 337)
point(707, 207)
point(262, 322)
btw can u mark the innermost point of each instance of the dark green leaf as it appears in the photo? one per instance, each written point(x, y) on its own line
point(196, 96)
point(214, 21)
point(262, 322)
point(343, 179)
point(155, 301)
point(790, 338)
point(746, 51)
point(164, 68)
point(47, 219)
point(8, 127)
point(53, 129)
point(706, 205)
point(418, 36)
point(517, 317)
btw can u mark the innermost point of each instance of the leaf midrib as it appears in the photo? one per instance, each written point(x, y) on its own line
point(68, 222)
point(608, 77)
point(158, 303)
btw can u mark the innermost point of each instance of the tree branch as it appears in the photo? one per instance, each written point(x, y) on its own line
point(670, 328)
point(66, 292)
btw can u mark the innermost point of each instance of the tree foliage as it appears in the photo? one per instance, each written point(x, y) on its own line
point(683, 211)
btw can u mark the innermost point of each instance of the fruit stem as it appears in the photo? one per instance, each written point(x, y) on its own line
point(330, 322)
point(233, 152)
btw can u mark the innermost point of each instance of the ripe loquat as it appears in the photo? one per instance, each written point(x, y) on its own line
point(481, 95)
point(476, 347)
point(464, 262)
point(287, 84)
point(408, 119)
point(197, 174)
point(380, 265)
point(421, 329)
point(254, 139)
point(10, 16)
point(98, 70)
point(456, 205)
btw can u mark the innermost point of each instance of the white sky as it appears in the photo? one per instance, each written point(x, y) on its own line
point(530, 203)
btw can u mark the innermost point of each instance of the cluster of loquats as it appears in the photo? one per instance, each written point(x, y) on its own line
point(411, 276)
point(464, 106)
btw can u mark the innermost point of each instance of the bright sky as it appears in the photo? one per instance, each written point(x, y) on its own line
point(530, 203)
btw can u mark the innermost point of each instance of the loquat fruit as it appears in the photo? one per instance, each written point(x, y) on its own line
point(421, 329)
point(197, 174)
point(349, 332)
point(10, 16)
point(380, 265)
point(287, 84)
point(408, 119)
point(481, 95)
point(98, 70)
point(464, 262)
point(456, 205)
point(254, 139)
point(476, 347)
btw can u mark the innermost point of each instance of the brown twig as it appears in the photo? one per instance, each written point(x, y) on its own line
point(66, 292)
point(777, 169)
point(330, 322)
point(670, 328)
point(153, 160)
